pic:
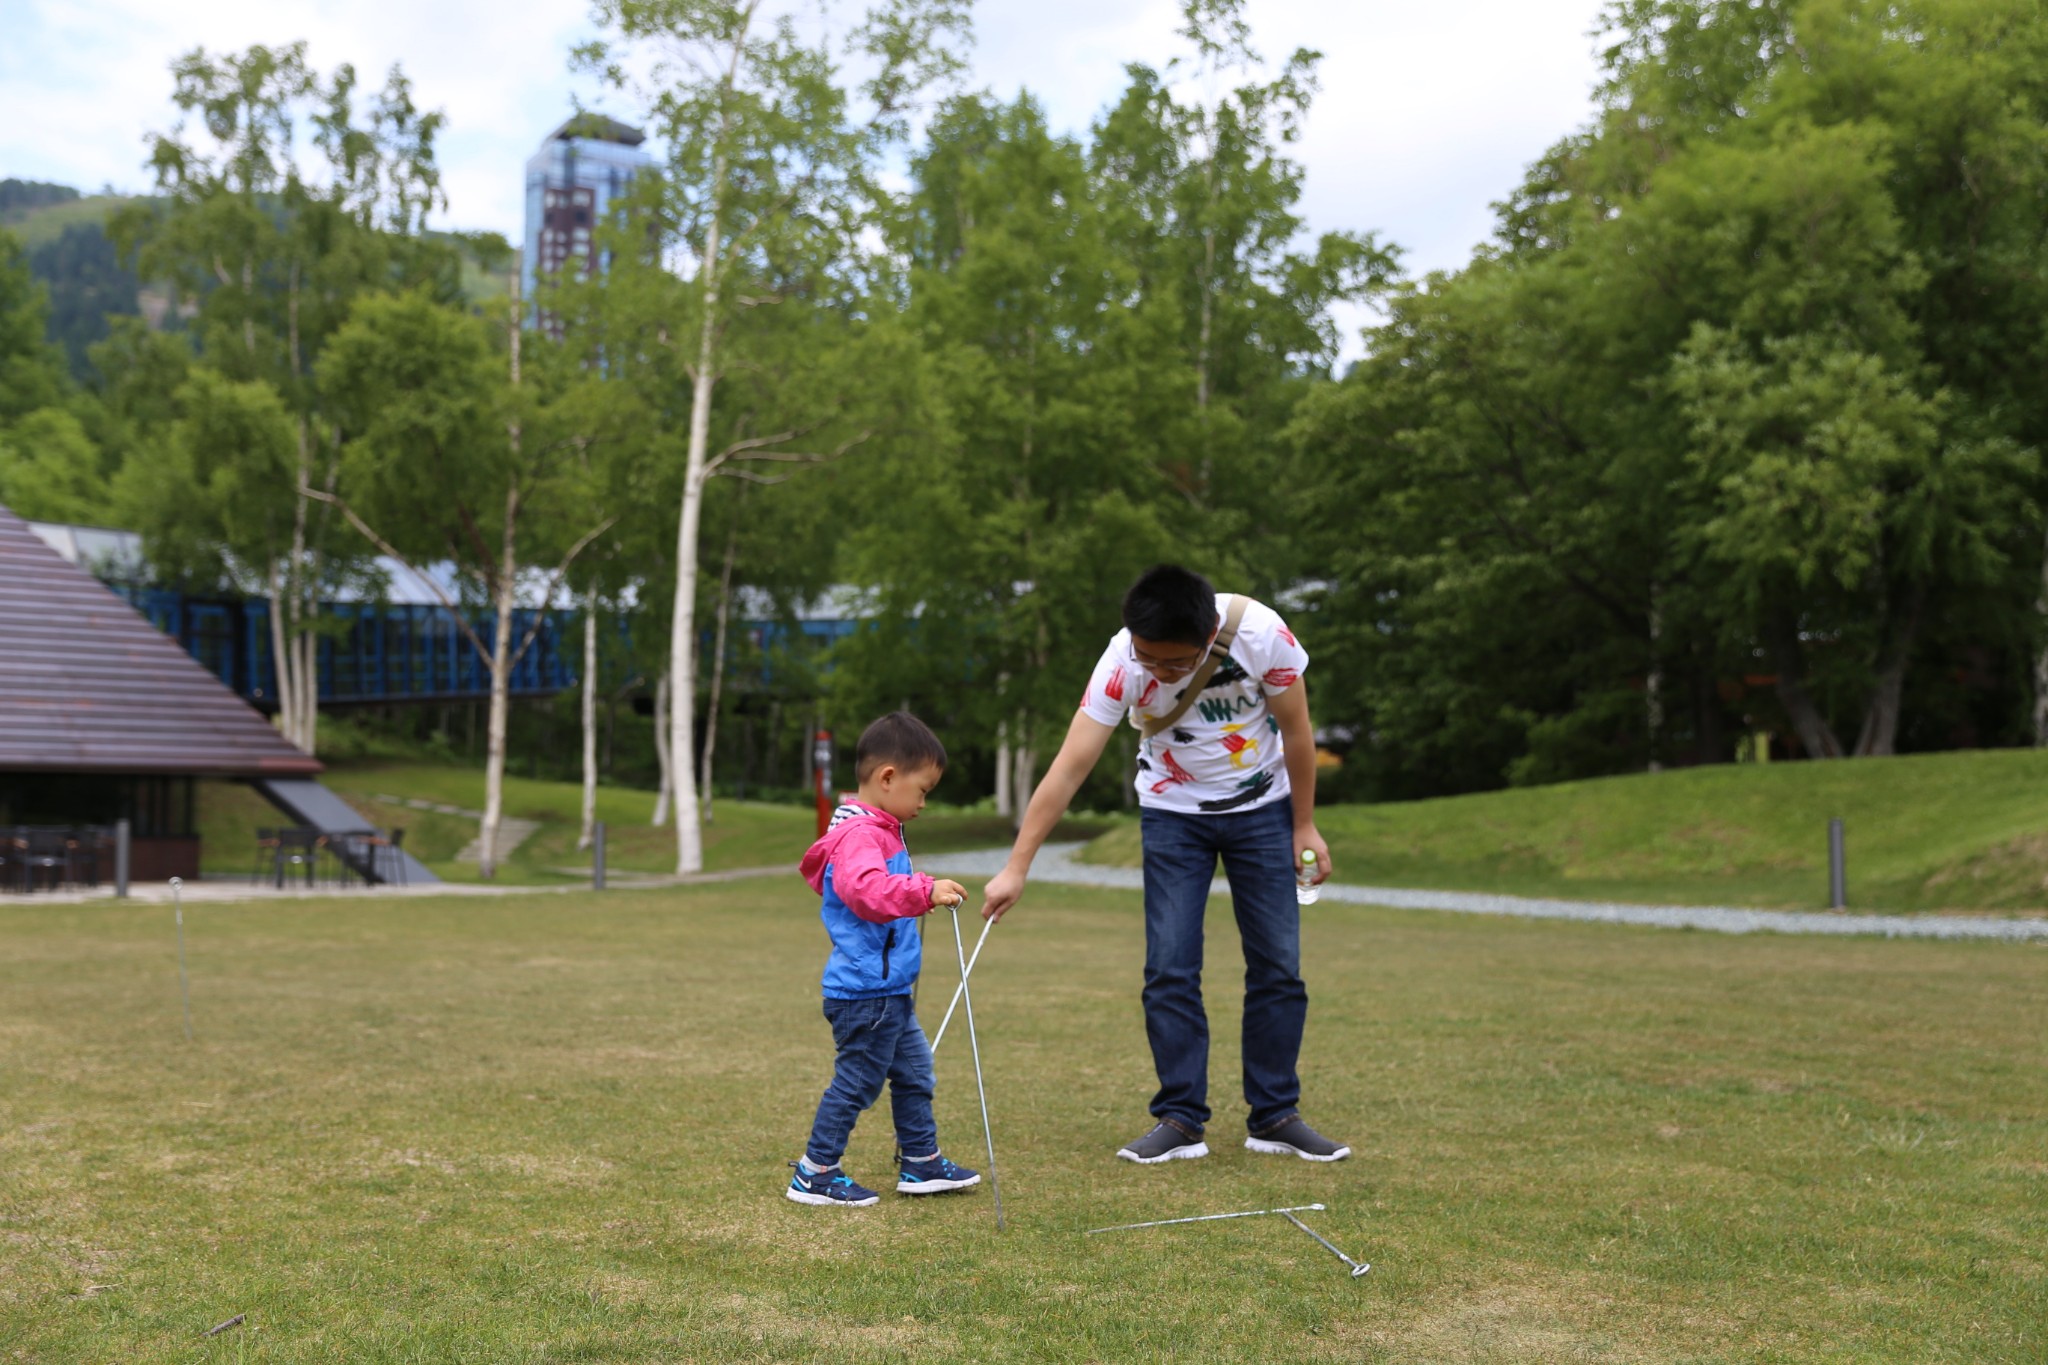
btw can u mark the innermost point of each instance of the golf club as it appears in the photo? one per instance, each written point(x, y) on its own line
point(1204, 1218)
point(974, 1043)
point(986, 925)
point(1356, 1268)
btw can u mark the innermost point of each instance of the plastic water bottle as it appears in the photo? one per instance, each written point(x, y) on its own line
point(1305, 888)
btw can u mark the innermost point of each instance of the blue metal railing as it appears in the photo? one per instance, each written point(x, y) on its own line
point(388, 652)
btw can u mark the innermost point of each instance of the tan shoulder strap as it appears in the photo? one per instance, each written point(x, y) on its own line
point(1226, 636)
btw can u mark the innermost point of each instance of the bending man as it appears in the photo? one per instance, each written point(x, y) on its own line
point(1226, 767)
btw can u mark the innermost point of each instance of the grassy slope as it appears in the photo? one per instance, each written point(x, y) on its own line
point(554, 1128)
point(1956, 830)
point(47, 223)
point(742, 833)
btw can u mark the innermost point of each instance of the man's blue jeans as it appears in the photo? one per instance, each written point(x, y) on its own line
point(878, 1040)
point(1257, 848)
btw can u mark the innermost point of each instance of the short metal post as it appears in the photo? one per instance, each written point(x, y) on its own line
point(121, 837)
point(1838, 868)
point(597, 856)
point(184, 981)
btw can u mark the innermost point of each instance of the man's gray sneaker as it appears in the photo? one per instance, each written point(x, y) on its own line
point(1164, 1143)
point(1292, 1137)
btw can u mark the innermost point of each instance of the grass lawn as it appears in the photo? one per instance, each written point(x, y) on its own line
point(741, 834)
point(554, 1127)
point(1962, 831)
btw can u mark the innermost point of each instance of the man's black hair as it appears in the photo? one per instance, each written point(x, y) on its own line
point(1171, 604)
point(899, 738)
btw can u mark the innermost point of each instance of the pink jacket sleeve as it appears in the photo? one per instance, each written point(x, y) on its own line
point(861, 876)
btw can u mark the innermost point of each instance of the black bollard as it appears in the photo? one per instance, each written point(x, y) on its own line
point(597, 856)
point(1838, 869)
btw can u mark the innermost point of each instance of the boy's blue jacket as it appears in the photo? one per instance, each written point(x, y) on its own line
point(862, 869)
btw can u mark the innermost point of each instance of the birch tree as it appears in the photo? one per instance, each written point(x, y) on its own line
point(481, 457)
point(768, 192)
point(283, 196)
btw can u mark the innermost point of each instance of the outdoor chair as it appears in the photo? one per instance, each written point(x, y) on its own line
point(48, 854)
point(13, 860)
point(386, 856)
point(290, 848)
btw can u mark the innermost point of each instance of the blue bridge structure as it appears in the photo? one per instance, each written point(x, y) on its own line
point(382, 652)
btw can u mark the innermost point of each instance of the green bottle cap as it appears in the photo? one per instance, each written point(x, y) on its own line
point(1308, 855)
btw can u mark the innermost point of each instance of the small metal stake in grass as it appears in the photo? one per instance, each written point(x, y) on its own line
point(184, 982)
point(597, 856)
point(236, 1321)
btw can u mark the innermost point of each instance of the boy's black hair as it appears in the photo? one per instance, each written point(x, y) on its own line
point(1171, 604)
point(899, 738)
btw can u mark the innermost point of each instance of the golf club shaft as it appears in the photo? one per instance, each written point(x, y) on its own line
point(974, 1044)
point(1204, 1218)
point(965, 972)
point(1356, 1268)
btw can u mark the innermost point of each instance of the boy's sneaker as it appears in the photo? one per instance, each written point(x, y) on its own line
point(1292, 1137)
point(833, 1186)
point(1164, 1143)
point(935, 1177)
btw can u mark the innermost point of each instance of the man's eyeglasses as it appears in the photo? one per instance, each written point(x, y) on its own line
point(1169, 670)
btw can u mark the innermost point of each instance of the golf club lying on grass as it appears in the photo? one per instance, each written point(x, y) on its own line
point(1357, 1268)
point(960, 951)
point(986, 925)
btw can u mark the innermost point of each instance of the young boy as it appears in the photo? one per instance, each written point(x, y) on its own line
point(862, 869)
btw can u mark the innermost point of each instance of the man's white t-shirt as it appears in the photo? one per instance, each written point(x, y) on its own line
point(1223, 754)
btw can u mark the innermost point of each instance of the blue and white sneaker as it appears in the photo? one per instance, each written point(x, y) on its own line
point(935, 1177)
point(832, 1186)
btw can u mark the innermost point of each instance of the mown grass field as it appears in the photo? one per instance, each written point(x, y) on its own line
point(554, 1127)
point(1963, 831)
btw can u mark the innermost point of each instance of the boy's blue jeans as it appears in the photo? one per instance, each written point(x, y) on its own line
point(1257, 848)
point(878, 1040)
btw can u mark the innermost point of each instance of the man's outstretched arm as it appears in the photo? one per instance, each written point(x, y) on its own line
point(1079, 751)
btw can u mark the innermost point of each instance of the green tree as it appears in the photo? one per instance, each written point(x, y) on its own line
point(274, 246)
point(1785, 274)
point(769, 188)
point(457, 450)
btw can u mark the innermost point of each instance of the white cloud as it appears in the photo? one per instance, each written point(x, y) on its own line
point(1428, 112)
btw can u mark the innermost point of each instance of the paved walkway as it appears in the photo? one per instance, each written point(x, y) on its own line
point(512, 831)
point(1056, 863)
point(224, 892)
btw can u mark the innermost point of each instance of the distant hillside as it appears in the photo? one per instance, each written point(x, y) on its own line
point(64, 232)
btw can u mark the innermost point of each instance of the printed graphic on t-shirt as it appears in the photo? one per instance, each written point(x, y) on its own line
point(1223, 754)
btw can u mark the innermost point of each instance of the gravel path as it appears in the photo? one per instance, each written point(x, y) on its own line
point(1056, 863)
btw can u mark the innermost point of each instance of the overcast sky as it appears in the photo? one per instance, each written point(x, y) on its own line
point(1428, 111)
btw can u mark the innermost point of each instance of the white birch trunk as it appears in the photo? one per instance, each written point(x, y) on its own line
point(280, 660)
point(589, 719)
point(718, 662)
point(1004, 806)
point(661, 754)
point(501, 701)
point(683, 628)
point(501, 644)
point(1023, 770)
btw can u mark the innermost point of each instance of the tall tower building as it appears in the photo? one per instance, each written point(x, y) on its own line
point(571, 182)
